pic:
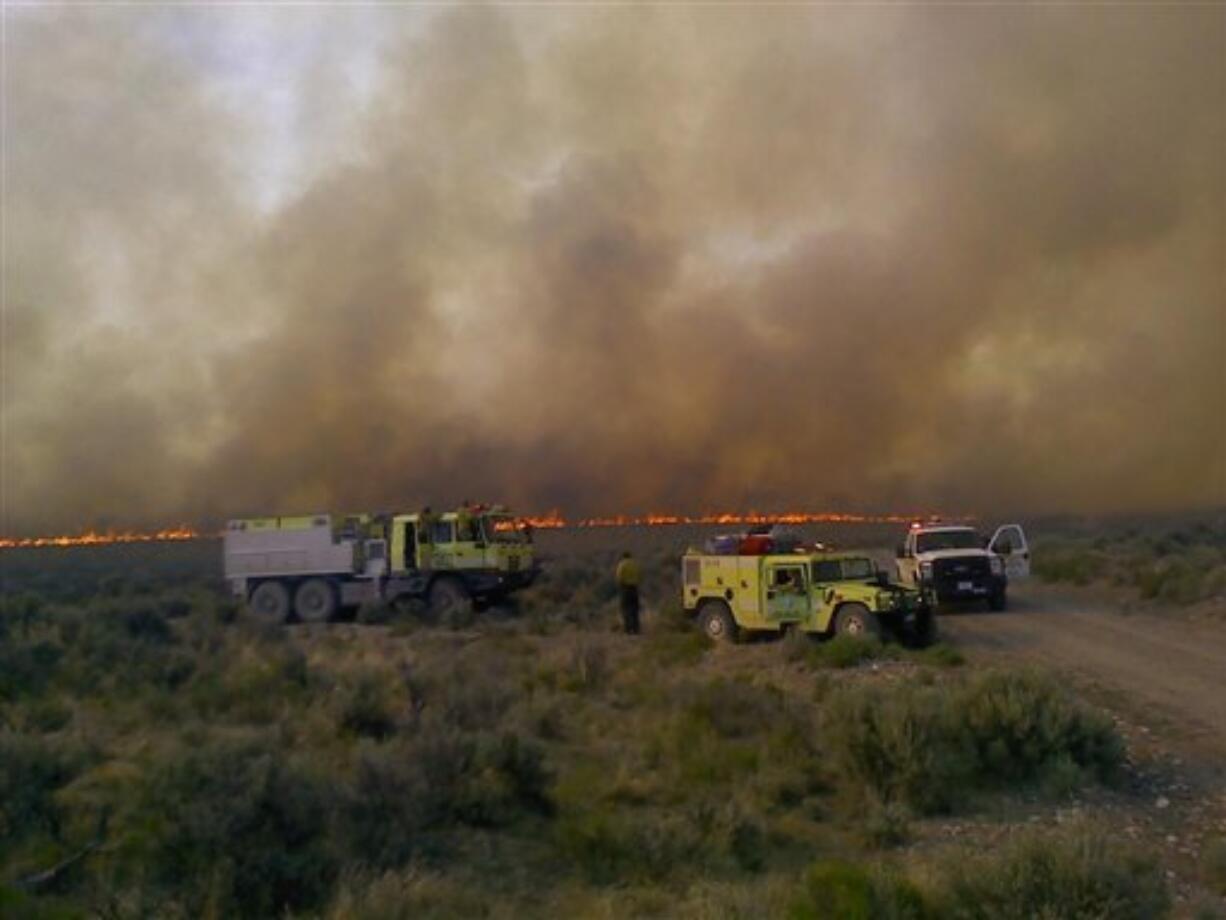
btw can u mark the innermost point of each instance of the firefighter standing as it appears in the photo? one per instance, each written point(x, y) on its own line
point(627, 576)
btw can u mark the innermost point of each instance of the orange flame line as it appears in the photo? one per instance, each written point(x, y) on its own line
point(93, 538)
point(552, 520)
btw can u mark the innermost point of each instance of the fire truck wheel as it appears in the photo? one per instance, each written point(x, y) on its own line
point(857, 620)
point(270, 602)
point(315, 601)
point(450, 601)
point(716, 622)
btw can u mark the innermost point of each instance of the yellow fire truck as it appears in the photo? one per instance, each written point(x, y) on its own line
point(310, 566)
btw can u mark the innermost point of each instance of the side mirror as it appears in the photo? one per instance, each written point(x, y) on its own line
point(900, 551)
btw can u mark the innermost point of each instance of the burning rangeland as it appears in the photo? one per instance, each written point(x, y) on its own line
point(96, 538)
point(552, 520)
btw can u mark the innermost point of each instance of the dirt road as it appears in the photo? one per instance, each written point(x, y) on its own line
point(1174, 666)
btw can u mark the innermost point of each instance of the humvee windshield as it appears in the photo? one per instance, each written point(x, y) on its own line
point(946, 539)
point(843, 570)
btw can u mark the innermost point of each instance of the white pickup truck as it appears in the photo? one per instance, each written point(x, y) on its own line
point(955, 564)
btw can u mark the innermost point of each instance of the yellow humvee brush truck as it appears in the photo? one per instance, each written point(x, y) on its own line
point(821, 593)
point(312, 566)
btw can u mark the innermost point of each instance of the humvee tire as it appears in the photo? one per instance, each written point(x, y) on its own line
point(923, 632)
point(716, 622)
point(315, 601)
point(855, 619)
point(270, 602)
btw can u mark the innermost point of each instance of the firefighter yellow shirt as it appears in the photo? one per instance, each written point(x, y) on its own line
point(628, 574)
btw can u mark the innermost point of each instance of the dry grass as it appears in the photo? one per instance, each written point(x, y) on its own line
point(538, 763)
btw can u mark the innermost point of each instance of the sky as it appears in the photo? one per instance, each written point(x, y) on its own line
point(271, 259)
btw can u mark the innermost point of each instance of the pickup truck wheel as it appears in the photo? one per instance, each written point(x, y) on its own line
point(997, 600)
point(315, 601)
point(450, 601)
point(716, 622)
point(270, 602)
point(857, 620)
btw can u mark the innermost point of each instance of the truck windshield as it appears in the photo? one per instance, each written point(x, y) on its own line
point(843, 570)
point(946, 539)
point(503, 529)
point(858, 568)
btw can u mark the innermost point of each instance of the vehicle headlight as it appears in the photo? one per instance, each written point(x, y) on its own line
point(925, 569)
point(998, 565)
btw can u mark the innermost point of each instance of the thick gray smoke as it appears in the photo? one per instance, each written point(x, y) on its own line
point(614, 260)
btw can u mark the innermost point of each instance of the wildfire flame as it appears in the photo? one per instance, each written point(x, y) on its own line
point(93, 538)
point(553, 520)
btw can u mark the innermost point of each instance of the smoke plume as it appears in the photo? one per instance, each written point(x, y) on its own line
point(612, 260)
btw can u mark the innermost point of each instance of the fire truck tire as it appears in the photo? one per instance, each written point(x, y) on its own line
point(450, 600)
point(857, 620)
point(716, 622)
point(270, 602)
point(315, 601)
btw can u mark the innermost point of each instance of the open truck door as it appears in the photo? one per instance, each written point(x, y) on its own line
point(787, 592)
point(1009, 543)
point(905, 562)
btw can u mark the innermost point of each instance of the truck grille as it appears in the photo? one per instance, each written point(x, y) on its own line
point(969, 568)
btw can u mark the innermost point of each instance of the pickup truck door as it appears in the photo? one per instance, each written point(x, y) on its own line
point(907, 571)
point(1009, 542)
point(787, 592)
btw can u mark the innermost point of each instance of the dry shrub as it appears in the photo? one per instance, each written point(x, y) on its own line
point(32, 770)
point(1213, 864)
point(925, 746)
point(408, 796)
point(406, 895)
point(368, 706)
point(837, 890)
point(239, 827)
point(1066, 874)
point(847, 651)
point(1051, 875)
